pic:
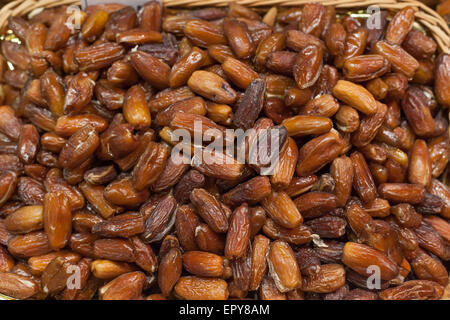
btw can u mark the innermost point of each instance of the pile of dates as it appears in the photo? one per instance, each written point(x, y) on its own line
point(94, 205)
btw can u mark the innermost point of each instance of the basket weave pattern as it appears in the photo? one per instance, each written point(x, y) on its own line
point(436, 25)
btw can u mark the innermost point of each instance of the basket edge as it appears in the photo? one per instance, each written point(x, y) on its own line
point(428, 17)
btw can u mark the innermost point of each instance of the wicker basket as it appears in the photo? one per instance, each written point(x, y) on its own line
point(427, 18)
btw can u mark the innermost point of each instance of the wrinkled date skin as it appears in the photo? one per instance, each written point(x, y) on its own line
point(307, 66)
point(223, 152)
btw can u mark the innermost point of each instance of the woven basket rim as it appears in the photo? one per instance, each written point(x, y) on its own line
point(429, 18)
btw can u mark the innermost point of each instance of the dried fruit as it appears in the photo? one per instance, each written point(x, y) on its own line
point(197, 288)
point(238, 234)
point(212, 153)
point(210, 209)
point(307, 66)
point(212, 86)
point(360, 257)
point(203, 264)
point(57, 219)
point(80, 146)
point(283, 266)
point(280, 207)
point(356, 96)
point(329, 278)
point(414, 290)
